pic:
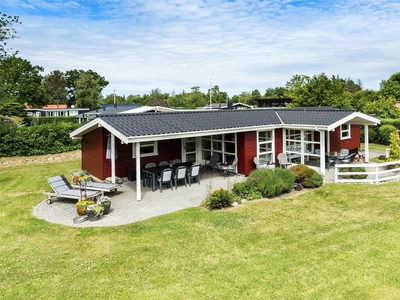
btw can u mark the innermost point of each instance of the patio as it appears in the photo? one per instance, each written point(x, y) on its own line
point(125, 209)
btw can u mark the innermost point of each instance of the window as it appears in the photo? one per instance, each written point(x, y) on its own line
point(265, 145)
point(146, 149)
point(224, 145)
point(345, 131)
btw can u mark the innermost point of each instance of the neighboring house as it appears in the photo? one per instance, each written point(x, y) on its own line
point(305, 134)
point(273, 102)
point(55, 110)
point(228, 105)
point(109, 109)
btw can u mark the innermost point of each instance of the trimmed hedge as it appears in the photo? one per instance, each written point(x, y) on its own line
point(38, 140)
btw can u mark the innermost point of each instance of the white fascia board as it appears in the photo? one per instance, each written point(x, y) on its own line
point(356, 118)
point(303, 126)
point(92, 125)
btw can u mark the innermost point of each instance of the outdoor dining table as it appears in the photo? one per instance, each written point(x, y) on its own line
point(154, 171)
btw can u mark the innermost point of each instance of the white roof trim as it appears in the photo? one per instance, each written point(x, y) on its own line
point(356, 118)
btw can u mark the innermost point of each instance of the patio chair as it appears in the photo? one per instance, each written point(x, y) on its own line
point(348, 159)
point(95, 184)
point(283, 161)
point(176, 161)
point(343, 153)
point(180, 174)
point(150, 165)
point(212, 162)
point(230, 168)
point(165, 177)
point(163, 163)
point(63, 189)
point(194, 173)
point(329, 161)
point(260, 165)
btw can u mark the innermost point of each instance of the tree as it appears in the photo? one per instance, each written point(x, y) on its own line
point(391, 87)
point(20, 82)
point(55, 87)
point(361, 98)
point(278, 92)
point(318, 90)
point(84, 88)
point(382, 107)
point(7, 32)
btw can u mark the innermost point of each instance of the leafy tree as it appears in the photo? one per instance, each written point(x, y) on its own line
point(13, 109)
point(318, 90)
point(353, 87)
point(138, 99)
point(217, 95)
point(278, 92)
point(84, 88)
point(20, 82)
point(118, 99)
point(361, 98)
point(383, 107)
point(7, 32)
point(244, 97)
point(55, 87)
point(391, 87)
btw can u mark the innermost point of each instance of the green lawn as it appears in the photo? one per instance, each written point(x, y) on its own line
point(336, 242)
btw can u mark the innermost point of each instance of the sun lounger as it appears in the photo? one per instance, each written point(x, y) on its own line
point(92, 184)
point(63, 189)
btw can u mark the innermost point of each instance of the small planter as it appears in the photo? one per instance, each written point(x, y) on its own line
point(107, 208)
point(92, 216)
point(81, 210)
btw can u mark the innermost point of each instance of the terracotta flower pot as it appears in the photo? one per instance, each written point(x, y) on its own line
point(81, 210)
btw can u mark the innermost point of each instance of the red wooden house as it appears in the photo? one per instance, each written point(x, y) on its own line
point(121, 144)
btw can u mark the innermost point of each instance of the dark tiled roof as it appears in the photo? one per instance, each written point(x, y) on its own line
point(147, 124)
point(189, 121)
point(319, 116)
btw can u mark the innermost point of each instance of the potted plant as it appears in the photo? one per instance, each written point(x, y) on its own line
point(81, 206)
point(106, 203)
point(94, 211)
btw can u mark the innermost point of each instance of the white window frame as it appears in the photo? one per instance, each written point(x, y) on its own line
point(346, 131)
point(271, 152)
point(145, 144)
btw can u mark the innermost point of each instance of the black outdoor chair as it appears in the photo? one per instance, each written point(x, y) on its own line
point(180, 174)
point(194, 173)
point(165, 177)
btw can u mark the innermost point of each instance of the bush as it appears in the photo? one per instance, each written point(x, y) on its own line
point(218, 199)
point(353, 169)
point(307, 177)
point(384, 134)
point(38, 140)
point(265, 183)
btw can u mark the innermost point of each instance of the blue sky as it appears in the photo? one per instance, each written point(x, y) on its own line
point(241, 45)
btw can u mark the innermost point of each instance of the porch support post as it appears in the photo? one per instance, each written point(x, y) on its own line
point(112, 158)
point(323, 151)
point(138, 171)
point(366, 150)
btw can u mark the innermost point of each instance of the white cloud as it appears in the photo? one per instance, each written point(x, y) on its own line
point(242, 45)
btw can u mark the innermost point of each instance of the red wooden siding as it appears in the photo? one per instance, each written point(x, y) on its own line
point(246, 151)
point(353, 143)
point(278, 144)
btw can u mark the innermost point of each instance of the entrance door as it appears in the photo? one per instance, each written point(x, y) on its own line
point(189, 150)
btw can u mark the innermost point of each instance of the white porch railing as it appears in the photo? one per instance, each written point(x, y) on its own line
point(376, 172)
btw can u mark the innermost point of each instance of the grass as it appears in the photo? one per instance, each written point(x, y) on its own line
point(335, 242)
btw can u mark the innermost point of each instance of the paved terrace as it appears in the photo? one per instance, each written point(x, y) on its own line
point(125, 209)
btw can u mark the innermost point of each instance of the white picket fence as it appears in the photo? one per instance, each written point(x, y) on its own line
point(376, 172)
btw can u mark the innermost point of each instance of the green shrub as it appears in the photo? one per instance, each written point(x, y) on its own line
point(307, 177)
point(353, 169)
point(384, 134)
point(265, 183)
point(218, 199)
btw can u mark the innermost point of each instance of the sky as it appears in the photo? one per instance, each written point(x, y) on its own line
point(239, 45)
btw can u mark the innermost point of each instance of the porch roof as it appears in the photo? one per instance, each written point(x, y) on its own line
point(140, 127)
